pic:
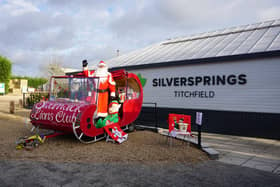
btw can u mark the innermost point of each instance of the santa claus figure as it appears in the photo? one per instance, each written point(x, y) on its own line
point(106, 85)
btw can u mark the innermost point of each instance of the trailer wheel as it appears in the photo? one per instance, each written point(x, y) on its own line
point(82, 137)
point(131, 127)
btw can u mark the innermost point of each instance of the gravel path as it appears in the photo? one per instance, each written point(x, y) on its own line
point(142, 146)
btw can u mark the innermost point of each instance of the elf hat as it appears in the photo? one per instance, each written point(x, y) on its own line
point(113, 102)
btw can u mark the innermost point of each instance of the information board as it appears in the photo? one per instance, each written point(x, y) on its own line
point(198, 118)
point(2, 88)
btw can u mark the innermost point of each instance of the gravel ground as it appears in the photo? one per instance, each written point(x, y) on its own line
point(144, 160)
point(142, 146)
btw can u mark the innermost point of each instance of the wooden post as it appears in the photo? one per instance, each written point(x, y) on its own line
point(199, 124)
point(12, 107)
point(199, 136)
point(20, 103)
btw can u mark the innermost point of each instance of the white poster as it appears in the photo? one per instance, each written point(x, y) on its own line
point(198, 118)
point(2, 88)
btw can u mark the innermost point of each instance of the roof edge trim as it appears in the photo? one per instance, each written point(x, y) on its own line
point(268, 54)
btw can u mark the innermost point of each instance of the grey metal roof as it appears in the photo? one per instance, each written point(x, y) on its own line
point(246, 39)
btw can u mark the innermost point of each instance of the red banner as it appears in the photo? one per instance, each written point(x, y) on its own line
point(180, 122)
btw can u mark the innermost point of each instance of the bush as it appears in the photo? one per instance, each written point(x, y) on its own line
point(35, 82)
point(35, 98)
point(5, 69)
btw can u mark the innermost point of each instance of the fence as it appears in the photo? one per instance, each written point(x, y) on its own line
point(148, 117)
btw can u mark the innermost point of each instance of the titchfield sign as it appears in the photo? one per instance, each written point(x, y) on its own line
point(183, 83)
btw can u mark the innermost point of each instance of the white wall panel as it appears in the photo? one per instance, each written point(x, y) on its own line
point(261, 93)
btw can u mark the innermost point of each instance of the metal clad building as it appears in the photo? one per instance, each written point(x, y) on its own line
point(232, 75)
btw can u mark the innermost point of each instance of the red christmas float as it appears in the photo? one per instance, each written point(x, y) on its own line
point(73, 102)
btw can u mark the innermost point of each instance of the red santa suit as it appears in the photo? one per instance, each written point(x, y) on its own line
point(106, 84)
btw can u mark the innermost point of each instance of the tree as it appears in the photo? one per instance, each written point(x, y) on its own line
point(5, 69)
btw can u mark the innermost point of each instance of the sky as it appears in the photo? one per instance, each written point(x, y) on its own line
point(35, 33)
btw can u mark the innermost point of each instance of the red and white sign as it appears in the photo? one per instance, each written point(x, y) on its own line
point(183, 121)
point(58, 112)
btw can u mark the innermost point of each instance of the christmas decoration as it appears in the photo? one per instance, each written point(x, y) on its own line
point(116, 133)
point(179, 124)
point(106, 85)
point(75, 102)
point(113, 116)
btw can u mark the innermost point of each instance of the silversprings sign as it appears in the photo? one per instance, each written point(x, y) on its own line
point(193, 81)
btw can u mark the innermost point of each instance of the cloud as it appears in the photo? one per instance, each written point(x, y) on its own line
point(270, 13)
point(19, 7)
point(159, 20)
point(164, 19)
point(32, 31)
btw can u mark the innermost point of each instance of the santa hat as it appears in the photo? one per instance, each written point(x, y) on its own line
point(102, 63)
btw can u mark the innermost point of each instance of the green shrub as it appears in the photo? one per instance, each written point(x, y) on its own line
point(35, 98)
point(5, 69)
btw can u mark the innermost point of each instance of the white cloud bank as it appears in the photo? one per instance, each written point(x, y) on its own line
point(32, 32)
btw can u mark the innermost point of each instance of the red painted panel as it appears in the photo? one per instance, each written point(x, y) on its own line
point(87, 123)
point(132, 107)
point(56, 115)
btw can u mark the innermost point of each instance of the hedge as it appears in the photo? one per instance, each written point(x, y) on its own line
point(32, 81)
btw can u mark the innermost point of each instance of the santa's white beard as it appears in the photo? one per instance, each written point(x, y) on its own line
point(102, 73)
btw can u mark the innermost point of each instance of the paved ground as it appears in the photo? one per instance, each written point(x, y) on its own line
point(258, 153)
point(5, 104)
point(210, 173)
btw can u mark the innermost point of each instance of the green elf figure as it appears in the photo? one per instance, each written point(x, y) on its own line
point(176, 125)
point(113, 116)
